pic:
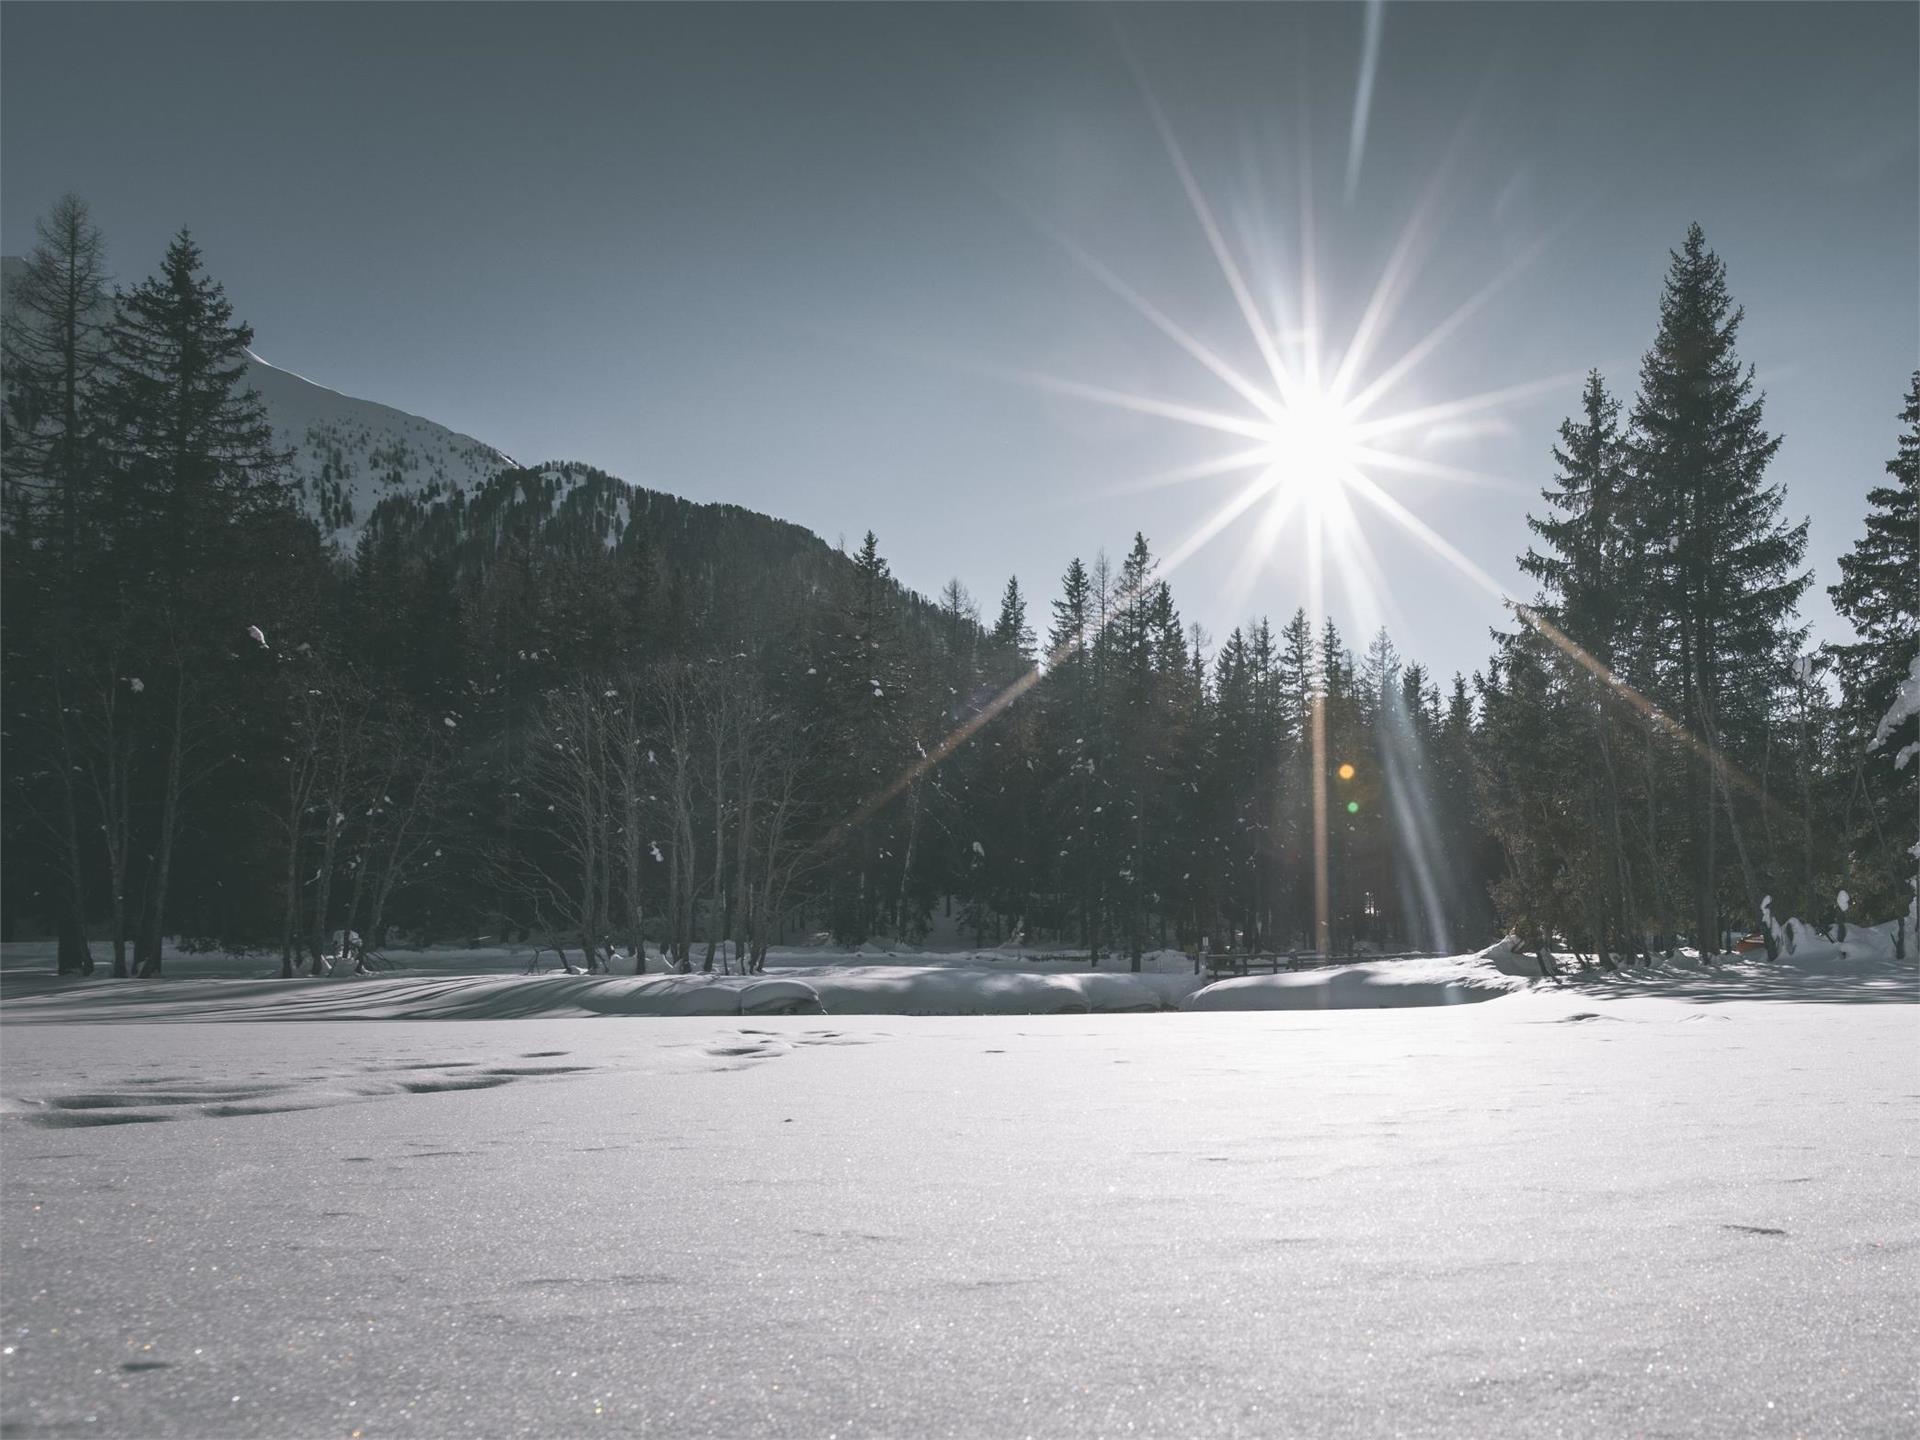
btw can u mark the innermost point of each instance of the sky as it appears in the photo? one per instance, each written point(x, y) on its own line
point(891, 267)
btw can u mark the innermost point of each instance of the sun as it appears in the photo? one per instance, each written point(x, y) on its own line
point(1313, 445)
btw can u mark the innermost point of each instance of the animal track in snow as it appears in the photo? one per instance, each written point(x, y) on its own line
point(147, 1101)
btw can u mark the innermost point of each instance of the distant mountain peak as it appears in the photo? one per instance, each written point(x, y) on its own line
point(350, 454)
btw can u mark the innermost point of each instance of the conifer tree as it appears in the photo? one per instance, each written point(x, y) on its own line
point(1586, 582)
point(55, 347)
point(1879, 594)
point(1010, 629)
point(197, 517)
point(1725, 576)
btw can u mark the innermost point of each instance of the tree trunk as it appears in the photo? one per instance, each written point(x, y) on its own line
point(147, 951)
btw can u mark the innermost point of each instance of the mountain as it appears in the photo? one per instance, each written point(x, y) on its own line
point(361, 466)
point(349, 454)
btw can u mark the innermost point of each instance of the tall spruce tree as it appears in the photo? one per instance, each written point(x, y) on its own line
point(1726, 576)
point(197, 515)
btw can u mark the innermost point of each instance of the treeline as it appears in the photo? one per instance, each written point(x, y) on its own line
point(562, 708)
point(1662, 756)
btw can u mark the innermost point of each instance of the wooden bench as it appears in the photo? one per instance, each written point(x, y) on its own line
point(1242, 962)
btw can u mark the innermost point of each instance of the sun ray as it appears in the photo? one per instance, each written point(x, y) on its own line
point(1223, 256)
point(1166, 479)
point(1405, 420)
point(1309, 269)
point(1402, 264)
point(1434, 470)
point(1262, 484)
point(1363, 96)
point(1369, 586)
point(1415, 354)
point(1259, 546)
point(1161, 409)
point(1158, 318)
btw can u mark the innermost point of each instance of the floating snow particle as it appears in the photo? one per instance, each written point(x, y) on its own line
point(653, 848)
point(1843, 900)
point(448, 721)
point(979, 849)
point(812, 671)
point(254, 631)
point(136, 684)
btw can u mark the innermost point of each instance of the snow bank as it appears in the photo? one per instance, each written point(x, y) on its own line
point(839, 990)
point(1374, 985)
point(489, 985)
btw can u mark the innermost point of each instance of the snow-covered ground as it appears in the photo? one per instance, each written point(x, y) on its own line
point(1686, 1203)
point(463, 983)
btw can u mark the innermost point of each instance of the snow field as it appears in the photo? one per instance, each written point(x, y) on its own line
point(1546, 1216)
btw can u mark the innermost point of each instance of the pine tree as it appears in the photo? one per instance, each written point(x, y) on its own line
point(1010, 629)
point(1877, 591)
point(1070, 742)
point(1586, 530)
point(1879, 594)
point(1587, 584)
point(197, 517)
point(55, 347)
point(1725, 579)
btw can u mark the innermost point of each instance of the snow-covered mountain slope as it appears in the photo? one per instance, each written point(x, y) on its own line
point(350, 454)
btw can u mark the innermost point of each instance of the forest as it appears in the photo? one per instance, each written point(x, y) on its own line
point(564, 709)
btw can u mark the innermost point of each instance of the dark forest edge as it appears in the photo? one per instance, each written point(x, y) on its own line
point(568, 709)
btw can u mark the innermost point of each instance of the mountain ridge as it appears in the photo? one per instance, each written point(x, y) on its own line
point(352, 458)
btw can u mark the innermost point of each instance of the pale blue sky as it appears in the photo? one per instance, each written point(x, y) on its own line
point(795, 257)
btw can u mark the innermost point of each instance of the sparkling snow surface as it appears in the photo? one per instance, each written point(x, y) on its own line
point(1545, 1214)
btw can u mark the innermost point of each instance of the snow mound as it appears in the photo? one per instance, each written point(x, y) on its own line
point(780, 997)
point(1385, 984)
